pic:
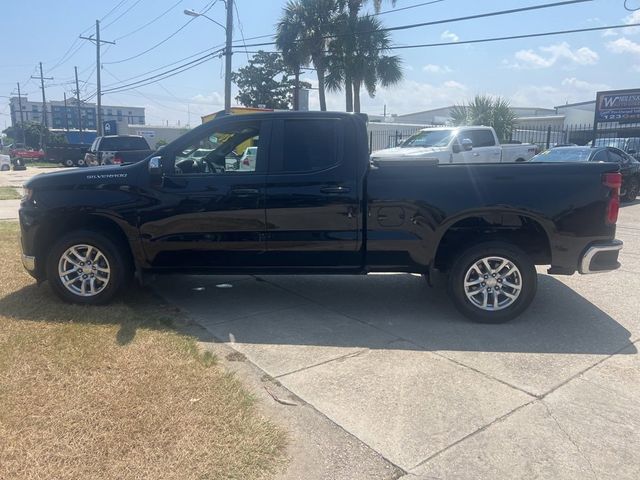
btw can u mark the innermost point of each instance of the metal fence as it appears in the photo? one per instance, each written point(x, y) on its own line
point(389, 138)
point(547, 136)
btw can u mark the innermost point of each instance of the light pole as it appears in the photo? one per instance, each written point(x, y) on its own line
point(227, 51)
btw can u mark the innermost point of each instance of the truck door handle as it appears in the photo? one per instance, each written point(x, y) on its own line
point(334, 190)
point(244, 192)
point(476, 154)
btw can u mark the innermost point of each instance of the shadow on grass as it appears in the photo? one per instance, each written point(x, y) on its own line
point(137, 308)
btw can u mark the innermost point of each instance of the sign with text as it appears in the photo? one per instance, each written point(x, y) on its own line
point(622, 106)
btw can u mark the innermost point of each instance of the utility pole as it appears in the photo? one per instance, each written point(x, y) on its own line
point(44, 106)
point(98, 43)
point(66, 118)
point(24, 141)
point(228, 52)
point(79, 104)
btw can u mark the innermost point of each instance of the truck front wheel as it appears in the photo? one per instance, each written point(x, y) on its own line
point(492, 282)
point(87, 267)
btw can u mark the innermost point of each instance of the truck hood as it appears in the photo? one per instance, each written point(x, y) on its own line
point(418, 152)
point(81, 176)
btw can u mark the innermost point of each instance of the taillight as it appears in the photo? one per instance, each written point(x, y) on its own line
point(614, 182)
point(246, 161)
point(117, 160)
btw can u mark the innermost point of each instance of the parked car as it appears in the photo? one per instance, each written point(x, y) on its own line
point(629, 145)
point(316, 204)
point(69, 155)
point(117, 149)
point(629, 166)
point(5, 163)
point(19, 151)
point(459, 145)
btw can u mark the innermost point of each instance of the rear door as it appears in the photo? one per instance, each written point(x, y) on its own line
point(485, 149)
point(312, 196)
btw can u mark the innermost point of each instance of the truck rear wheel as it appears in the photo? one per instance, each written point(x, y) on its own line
point(493, 282)
point(87, 267)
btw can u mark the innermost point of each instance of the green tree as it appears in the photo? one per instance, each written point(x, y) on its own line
point(359, 59)
point(35, 134)
point(302, 36)
point(486, 110)
point(266, 81)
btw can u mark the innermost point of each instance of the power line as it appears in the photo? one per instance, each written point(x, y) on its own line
point(192, 63)
point(110, 12)
point(394, 10)
point(515, 37)
point(122, 14)
point(449, 20)
point(214, 48)
point(135, 30)
point(244, 42)
point(162, 41)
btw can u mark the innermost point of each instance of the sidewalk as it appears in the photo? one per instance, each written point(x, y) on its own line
point(9, 209)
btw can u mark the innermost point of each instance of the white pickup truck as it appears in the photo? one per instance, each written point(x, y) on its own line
point(459, 145)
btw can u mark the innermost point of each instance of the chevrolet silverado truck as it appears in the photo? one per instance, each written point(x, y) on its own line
point(459, 145)
point(314, 203)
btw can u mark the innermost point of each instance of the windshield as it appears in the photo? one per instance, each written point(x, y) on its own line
point(563, 155)
point(429, 138)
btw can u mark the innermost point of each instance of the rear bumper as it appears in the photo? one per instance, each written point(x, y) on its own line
point(600, 257)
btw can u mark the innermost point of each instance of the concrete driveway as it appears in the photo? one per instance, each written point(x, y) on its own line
point(554, 394)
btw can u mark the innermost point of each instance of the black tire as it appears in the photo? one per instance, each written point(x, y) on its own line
point(525, 276)
point(5, 168)
point(114, 253)
point(632, 189)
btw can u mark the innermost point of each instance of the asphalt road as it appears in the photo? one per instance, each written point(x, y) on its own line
point(553, 394)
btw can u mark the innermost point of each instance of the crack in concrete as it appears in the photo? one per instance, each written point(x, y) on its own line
point(566, 434)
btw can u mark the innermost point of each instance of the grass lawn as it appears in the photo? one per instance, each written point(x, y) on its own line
point(9, 193)
point(43, 164)
point(114, 392)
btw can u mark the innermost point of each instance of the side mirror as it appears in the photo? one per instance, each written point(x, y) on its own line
point(155, 170)
point(467, 144)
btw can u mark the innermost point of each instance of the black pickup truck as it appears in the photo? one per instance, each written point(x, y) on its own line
point(116, 150)
point(309, 200)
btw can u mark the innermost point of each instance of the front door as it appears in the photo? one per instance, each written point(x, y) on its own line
point(313, 196)
point(210, 211)
point(484, 149)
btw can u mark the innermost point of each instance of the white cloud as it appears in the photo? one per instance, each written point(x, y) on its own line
point(624, 45)
point(409, 96)
point(609, 33)
point(553, 55)
point(449, 36)
point(569, 90)
point(431, 68)
point(213, 98)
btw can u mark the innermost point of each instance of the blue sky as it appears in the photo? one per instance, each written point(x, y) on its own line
point(541, 72)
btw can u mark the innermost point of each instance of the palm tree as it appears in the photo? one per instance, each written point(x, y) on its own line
point(486, 110)
point(302, 36)
point(347, 25)
point(360, 59)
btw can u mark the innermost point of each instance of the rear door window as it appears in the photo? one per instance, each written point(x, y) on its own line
point(480, 138)
point(307, 146)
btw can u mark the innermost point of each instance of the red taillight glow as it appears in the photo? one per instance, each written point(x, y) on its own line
point(614, 182)
point(245, 161)
point(117, 160)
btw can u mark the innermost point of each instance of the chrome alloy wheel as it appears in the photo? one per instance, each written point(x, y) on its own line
point(84, 270)
point(493, 283)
